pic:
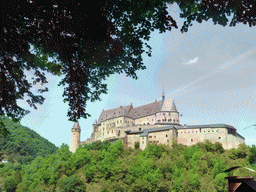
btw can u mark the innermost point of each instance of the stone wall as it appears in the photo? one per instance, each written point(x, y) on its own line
point(75, 139)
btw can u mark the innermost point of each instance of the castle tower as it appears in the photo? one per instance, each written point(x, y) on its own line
point(75, 137)
point(169, 112)
point(95, 126)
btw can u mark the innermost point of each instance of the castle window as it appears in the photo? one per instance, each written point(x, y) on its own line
point(212, 131)
point(204, 131)
point(217, 130)
point(117, 122)
point(188, 132)
point(154, 136)
point(196, 131)
point(158, 120)
point(173, 120)
point(166, 135)
point(191, 140)
point(142, 142)
point(167, 140)
point(120, 121)
point(74, 133)
point(112, 131)
point(177, 120)
point(150, 136)
point(169, 113)
point(219, 137)
point(148, 123)
point(164, 113)
point(144, 123)
point(108, 132)
point(169, 120)
point(180, 132)
point(157, 141)
point(139, 129)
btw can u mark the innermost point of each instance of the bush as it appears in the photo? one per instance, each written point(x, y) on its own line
point(72, 184)
point(252, 155)
point(10, 184)
point(90, 172)
point(81, 157)
point(137, 145)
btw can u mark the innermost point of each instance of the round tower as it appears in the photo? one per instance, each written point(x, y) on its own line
point(75, 137)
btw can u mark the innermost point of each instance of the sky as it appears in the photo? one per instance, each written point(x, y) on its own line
point(208, 71)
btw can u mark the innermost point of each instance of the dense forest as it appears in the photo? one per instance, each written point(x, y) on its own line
point(23, 145)
point(102, 166)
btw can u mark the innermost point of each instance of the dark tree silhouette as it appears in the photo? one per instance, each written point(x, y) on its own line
point(89, 42)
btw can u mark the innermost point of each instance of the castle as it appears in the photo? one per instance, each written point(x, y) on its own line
point(156, 122)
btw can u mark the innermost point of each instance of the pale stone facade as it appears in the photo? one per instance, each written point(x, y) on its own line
point(155, 122)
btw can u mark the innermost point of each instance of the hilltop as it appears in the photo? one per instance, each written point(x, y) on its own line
point(102, 166)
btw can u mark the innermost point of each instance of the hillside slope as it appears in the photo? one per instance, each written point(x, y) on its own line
point(23, 144)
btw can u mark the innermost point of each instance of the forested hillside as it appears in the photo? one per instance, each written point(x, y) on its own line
point(111, 167)
point(23, 144)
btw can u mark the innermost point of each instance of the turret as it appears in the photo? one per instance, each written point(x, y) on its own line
point(95, 126)
point(168, 113)
point(75, 137)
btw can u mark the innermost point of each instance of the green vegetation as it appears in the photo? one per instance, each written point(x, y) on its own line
point(102, 166)
point(23, 145)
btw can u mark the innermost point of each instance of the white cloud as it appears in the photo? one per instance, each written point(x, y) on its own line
point(191, 61)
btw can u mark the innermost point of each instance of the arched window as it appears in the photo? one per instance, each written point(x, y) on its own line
point(139, 129)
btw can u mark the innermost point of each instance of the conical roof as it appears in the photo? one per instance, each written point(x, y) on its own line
point(95, 122)
point(163, 96)
point(76, 125)
point(169, 105)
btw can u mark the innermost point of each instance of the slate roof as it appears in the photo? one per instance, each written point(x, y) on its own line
point(169, 105)
point(76, 125)
point(145, 132)
point(134, 113)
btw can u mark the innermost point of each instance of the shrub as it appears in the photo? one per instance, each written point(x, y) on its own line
point(72, 184)
point(10, 184)
point(137, 145)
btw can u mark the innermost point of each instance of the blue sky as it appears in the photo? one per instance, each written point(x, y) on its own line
point(208, 71)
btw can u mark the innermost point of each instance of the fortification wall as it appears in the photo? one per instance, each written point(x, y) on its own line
point(192, 136)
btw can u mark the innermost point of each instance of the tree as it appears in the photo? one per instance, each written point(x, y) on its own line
point(89, 43)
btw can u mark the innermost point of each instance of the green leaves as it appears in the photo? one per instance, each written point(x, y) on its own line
point(72, 184)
